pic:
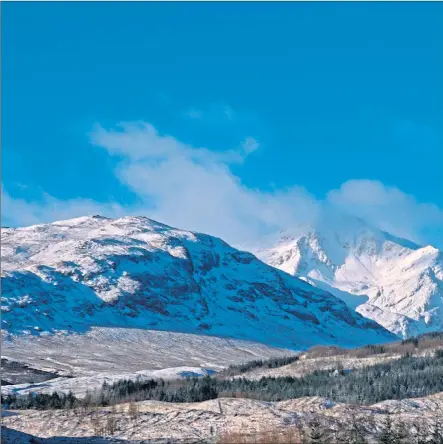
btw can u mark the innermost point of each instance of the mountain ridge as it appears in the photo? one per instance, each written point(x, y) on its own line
point(93, 272)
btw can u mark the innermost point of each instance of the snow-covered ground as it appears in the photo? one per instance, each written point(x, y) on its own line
point(125, 350)
point(206, 421)
point(393, 281)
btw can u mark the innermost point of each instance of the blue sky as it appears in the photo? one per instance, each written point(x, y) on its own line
point(271, 109)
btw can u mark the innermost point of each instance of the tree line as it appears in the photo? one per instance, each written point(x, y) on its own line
point(257, 363)
point(407, 377)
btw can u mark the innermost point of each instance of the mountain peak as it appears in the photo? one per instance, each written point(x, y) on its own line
point(367, 267)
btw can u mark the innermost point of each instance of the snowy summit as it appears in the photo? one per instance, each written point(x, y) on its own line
point(393, 281)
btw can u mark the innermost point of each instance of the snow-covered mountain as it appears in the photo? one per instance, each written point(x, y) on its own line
point(393, 281)
point(134, 272)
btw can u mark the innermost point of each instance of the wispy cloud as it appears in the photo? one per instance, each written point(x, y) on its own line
point(390, 209)
point(22, 212)
point(195, 188)
point(194, 114)
point(249, 145)
point(228, 112)
point(215, 113)
point(188, 187)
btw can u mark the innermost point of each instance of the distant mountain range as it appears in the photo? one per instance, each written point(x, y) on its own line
point(134, 272)
point(393, 281)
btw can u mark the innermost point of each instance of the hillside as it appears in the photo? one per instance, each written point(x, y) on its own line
point(133, 272)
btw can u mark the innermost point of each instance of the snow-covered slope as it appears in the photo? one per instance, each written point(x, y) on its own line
point(390, 280)
point(104, 350)
point(135, 272)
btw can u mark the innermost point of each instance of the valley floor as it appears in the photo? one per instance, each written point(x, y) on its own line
point(83, 363)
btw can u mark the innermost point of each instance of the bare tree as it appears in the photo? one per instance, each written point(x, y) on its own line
point(111, 421)
point(133, 410)
point(97, 425)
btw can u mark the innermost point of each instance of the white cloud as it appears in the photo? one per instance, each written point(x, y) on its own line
point(20, 212)
point(390, 209)
point(195, 188)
